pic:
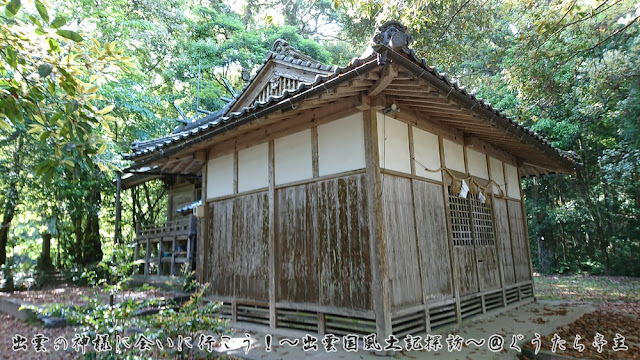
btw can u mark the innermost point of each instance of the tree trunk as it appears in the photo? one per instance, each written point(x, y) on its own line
point(4, 231)
point(44, 263)
point(76, 220)
point(92, 246)
point(12, 199)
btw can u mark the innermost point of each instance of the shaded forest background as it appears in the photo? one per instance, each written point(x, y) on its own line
point(80, 80)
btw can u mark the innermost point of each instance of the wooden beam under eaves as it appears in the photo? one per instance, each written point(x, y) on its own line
point(389, 72)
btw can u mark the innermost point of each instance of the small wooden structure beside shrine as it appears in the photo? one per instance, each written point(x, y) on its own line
point(375, 198)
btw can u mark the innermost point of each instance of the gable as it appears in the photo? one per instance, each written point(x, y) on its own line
point(275, 77)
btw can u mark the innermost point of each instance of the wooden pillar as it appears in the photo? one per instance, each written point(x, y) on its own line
point(134, 199)
point(272, 239)
point(454, 261)
point(202, 239)
point(116, 233)
point(147, 257)
point(506, 196)
point(474, 236)
point(160, 251)
point(496, 235)
point(526, 233)
point(173, 256)
point(379, 261)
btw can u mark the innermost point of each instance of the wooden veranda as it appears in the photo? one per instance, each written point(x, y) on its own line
point(167, 247)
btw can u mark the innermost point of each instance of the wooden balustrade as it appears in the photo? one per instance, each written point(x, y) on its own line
point(166, 245)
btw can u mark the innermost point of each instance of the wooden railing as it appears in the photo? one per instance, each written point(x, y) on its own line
point(167, 243)
point(170, 228)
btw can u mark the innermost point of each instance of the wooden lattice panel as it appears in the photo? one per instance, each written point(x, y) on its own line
point(276, 87)
point(482, 221)
point(460, 224)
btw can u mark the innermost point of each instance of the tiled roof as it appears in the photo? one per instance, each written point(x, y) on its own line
point(213, 124)
point(213, 121)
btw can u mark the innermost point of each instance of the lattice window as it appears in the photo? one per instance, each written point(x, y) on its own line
point(482, 221)
point(467, 211)
point(460, 224)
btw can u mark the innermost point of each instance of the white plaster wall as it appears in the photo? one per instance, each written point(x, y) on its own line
point(253, 168)
point(497, 174)
point(454, 156)
point(341, 145)
point(513, 181)
point(220, 176)
point(293, 158)
point(393, 143)
point(426, 151)
point(477, 163)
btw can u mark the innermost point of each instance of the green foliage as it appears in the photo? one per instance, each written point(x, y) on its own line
point(126, 318)
point(54, 90)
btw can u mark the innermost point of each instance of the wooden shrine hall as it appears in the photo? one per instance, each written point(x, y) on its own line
point(379, 197)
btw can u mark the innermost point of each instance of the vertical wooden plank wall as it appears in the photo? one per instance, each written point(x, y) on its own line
point(238, 261)
point(400, 239)
point(503, 236)
point(519, 241)
point(433, 240)
point(323, 251)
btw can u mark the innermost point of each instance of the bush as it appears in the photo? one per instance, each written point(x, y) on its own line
point(132, 318)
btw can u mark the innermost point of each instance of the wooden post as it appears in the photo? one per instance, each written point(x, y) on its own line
point(506, 196)
point(379, 263)
point(160, 251)
point(497, 236)
point(147, 257)
point(272, 238)
point(202, 238)
point(526, 234)
point(474, 236)
point(116, 233)
point(454, 262)
point(314, 152)
point(173, 256)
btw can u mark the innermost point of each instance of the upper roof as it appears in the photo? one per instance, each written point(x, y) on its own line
point(392, 71)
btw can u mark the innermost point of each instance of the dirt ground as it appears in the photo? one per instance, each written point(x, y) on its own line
point(76, 295)
point(10, 327)
point(609, 319)
point(616, 300)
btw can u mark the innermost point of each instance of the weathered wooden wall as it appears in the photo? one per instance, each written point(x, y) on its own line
point(488, 274)
point(322, 242)
point(400, 238)
point(433, 241)
point(519, 241)
point(237, 260)
point(416, 240)
point(322, 245)
point(466, 269)
point(503, 236)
